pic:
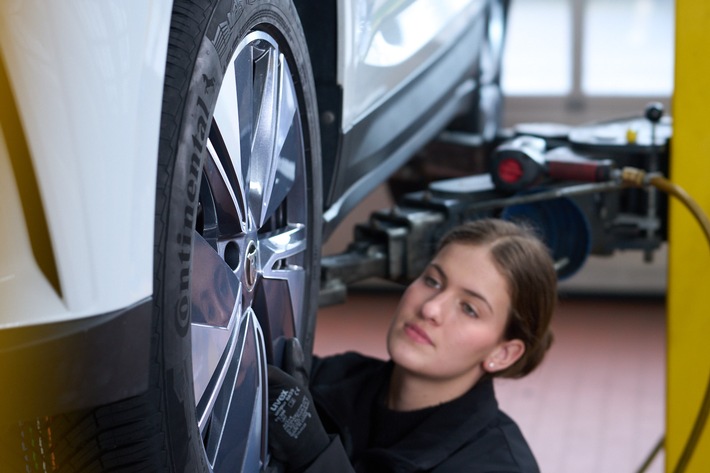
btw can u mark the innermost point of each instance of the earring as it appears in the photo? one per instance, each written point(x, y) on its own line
point(491, 364)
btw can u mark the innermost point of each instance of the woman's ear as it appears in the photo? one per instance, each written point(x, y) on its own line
point(504, 355)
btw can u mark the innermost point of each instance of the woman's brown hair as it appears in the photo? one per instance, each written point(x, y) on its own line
point(526, 264)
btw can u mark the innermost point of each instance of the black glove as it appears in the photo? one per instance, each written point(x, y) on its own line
point(296, 434)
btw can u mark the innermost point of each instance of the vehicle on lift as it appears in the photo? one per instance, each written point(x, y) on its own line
point(169, 172)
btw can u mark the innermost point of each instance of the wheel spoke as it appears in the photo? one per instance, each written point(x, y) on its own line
point(229, 206)
point(215, 294)
point(277, 247)
point(288, 146)
point(284, 275)
point(244, 86)
point(230, 136)
point(233, 434)
point(262, 169)
point(276, 302)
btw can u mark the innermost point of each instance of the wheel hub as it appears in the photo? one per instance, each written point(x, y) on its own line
point(250, 265)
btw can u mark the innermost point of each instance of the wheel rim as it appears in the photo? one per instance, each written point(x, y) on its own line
point(250, 259)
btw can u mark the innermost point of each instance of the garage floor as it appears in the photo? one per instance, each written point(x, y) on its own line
point(596, 405)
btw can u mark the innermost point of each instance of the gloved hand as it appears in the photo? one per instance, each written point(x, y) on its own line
point(296, 434)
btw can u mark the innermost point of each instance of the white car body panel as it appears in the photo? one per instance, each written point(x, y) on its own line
point(18, 268)
point(386, 42)
point(92, 134)
point(93, 131)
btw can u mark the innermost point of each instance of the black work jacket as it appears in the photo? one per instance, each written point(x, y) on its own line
point(476, 439)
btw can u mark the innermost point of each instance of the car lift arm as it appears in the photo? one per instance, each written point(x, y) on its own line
point(397, 244)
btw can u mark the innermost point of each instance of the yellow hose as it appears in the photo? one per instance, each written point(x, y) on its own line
point(639, 178)
point(670, 188)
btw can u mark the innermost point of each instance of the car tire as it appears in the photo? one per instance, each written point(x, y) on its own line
point(254, 225)
point(237, 252)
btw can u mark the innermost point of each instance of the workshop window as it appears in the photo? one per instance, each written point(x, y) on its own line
point(628, 47)
point(587, 48)
point(538, 51)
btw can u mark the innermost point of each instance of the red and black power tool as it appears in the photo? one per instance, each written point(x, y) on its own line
point(525, 162)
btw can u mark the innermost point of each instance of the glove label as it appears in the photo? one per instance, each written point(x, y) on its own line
point(293, 418)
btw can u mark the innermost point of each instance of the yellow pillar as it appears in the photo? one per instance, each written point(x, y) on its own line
point(689, 256)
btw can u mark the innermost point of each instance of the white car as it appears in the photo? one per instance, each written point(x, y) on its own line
point(168, 172)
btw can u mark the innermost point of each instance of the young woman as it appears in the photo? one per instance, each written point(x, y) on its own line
point(481, 309)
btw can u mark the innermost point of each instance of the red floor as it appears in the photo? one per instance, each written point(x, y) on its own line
point(597, 403)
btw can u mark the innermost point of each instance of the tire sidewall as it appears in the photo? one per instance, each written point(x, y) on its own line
point(177, 220)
